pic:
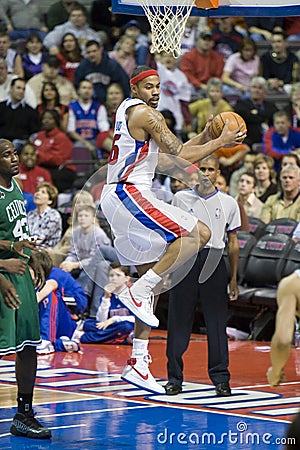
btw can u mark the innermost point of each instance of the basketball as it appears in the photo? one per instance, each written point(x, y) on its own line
point(234, 121)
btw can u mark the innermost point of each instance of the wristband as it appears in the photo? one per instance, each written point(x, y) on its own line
point(12, 246)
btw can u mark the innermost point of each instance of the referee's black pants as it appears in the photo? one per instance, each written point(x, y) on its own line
point(214, 301)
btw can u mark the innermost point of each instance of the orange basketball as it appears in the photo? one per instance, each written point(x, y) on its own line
point(234, 121)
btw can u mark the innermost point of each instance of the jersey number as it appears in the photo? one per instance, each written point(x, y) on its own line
point(114, 153)
point(20, 230)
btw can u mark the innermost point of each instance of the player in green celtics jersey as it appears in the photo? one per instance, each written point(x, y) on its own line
point(19, 322)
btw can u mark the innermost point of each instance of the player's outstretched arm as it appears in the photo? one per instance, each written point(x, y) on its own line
point(154, 123)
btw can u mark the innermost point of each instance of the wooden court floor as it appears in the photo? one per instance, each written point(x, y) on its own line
point(86, 405)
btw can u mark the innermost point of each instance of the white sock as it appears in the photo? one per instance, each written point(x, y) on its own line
point(149, 280)
point(139, 347)
point(152, 278)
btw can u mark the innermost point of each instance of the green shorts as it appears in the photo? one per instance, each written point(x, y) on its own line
point(20, 327)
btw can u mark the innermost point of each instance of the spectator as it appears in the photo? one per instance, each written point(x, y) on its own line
point(51, 100)
point(104, 140)
point(246, 166)
point(114, 323)
point(87, 118)
point(54, 150)
point(179, 180)
point(279, 66)
point(76, 25)
point(86, 240)
point(90, 249)
point(293, 107)
point(282, 138)
point(69, 55)
point(101, 71)
point(133, 29)
point(291, 158)
point(44, 222)
point(287, 202)
point(124, 53)
point(202, 63)
point(265, 175)
point(18, 121)
point(256, 111)
point(5, 83)
point(57, 325)
point(30, 173)
point(214, 104)
point(50, 73)
point(114, 97)
point(246, 195)
point(12, 58)
point(59, 12)
point(175, 92)
point(109, 24)
point(34, 56)
point(60, 251)
point(230, 158)
point(191, 31)
point(221, 184)
point(22, 18)
point(260, 28)
point(227, 40)
point(240, 68)
point(291, 26)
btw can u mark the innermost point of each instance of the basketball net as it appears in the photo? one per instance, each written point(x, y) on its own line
point(167, 22)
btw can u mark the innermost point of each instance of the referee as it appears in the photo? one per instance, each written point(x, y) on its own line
point(207, 279)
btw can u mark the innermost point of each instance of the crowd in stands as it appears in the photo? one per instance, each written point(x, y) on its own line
point(64, 73)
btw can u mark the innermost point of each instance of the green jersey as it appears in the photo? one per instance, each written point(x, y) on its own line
point(21, 327)
point(13, 219)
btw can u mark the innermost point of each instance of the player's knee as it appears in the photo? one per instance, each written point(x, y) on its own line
point(283, 340)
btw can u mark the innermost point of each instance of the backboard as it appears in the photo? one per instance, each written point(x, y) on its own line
point(240, 8)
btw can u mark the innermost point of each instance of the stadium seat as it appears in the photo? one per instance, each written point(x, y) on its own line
point(292, 260)
point(246, 243)
point(256, 227)
point(265, 268)
point(281, 226)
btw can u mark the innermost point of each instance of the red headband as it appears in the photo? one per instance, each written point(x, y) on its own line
point(142, 75)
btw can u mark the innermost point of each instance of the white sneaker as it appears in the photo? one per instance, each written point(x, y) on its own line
point(77, 335)
point(140, 305)
point(70, 345)
point(45, 348)
point(137, 372)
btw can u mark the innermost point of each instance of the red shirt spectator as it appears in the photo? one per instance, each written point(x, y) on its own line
point(54, 148)
point(201, 63)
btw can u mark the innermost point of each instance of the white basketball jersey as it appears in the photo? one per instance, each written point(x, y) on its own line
point(131, 161)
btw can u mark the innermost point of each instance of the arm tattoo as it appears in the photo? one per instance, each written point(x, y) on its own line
point(158, 124)
point(172, 142)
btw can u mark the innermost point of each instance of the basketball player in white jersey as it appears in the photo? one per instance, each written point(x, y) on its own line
point(288, 301)
point(150, 234)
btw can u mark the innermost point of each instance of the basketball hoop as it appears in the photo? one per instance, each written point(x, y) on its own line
point(167, 22)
